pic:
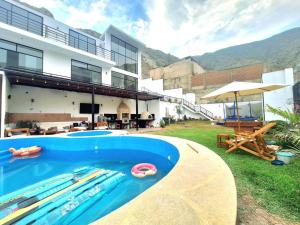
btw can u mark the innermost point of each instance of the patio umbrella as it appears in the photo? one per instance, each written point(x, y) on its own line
point(235, 89)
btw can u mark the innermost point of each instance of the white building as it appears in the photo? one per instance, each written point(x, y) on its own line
point(48, 72)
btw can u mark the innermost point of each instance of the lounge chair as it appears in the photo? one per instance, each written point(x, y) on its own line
point(253, 143)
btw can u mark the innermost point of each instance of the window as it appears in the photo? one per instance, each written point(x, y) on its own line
point(82, 42)
point(21, 18)
point(13, 55)
point(86, 73)
point(124, 54)
point(122, 81)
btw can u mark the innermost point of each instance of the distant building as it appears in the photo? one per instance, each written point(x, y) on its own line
point(191, 77)
point(178, 75)
point(209, 81)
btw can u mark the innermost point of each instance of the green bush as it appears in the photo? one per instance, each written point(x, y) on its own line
point(287, 133)
point(162, 123)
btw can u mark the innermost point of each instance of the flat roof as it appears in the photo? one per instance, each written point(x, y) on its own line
point(58, 82)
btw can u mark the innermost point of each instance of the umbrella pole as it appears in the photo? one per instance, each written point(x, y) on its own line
point(237, 110)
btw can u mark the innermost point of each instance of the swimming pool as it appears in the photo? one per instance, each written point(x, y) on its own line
point(62, 156)
point(89, 133)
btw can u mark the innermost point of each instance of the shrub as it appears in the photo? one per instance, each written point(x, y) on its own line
point(162, 123)
point(287, 133)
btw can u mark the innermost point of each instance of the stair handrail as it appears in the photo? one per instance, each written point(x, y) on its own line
point(198, 108)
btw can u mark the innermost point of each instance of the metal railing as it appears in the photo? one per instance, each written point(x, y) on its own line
point(32, 26)
point(198, 109)
point(62, 37)
point(195, 108)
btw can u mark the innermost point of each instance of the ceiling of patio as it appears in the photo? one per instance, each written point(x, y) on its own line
point(18, 77)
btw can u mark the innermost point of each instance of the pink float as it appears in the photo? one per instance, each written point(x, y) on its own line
point(143, 169)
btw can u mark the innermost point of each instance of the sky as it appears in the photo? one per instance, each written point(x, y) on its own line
point(181, 27)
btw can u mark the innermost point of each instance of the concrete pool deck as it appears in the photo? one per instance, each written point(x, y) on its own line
point(200, 189)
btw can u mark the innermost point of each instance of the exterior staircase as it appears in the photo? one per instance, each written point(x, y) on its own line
point(198, 109)
point(188, 105)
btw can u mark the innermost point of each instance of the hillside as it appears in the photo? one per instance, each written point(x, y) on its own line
point(41, 10)
point(277, 52)
point(152, 58)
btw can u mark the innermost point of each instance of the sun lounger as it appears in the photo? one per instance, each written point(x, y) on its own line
point(253, 143)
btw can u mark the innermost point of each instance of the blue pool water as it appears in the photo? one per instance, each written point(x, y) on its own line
point(64, 155)
point(89, 133)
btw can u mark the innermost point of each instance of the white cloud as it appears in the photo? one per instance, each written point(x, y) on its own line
point(48, 4)
point(214, 24)
point(184, 27)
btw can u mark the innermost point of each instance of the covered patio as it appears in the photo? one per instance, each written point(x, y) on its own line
point(48, 82)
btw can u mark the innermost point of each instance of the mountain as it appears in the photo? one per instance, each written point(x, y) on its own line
point(152, 58)
point(90, 32)
point(41, 10)
point(277, 52)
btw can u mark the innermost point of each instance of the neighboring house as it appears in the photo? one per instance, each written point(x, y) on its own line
point(192, 78)
point(49, 72)
point(178, 74)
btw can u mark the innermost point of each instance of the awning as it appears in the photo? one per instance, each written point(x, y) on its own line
point(52, 81)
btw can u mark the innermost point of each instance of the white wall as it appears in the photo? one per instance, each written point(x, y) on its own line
point(177, 93)
point(56, 63)
point(216, 108)
point(281, 98)
point(190, 114)
point(56, 101)
point(156, 86)
point(153, 108)
point(190, 97)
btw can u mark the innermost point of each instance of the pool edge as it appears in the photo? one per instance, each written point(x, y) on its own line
point(179, 197)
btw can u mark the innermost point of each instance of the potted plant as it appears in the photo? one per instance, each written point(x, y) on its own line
point(287, 133)
point(162, 123)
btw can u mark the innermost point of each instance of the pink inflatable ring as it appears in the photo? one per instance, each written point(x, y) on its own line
point(143, 169)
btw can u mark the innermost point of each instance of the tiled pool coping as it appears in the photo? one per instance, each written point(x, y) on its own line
point(200, 189)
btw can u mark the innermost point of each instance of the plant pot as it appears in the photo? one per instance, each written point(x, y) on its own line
point(285, 156)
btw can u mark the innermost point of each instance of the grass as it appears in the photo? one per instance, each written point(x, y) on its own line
point(276, 188)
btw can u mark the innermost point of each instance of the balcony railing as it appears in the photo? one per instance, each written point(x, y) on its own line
point(32, 26)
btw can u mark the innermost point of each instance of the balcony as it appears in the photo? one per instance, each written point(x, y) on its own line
point(25, 20)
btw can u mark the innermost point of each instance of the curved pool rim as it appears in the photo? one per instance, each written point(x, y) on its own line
point(89, 133)
point(188, 194)
point(199, 190)
point(120, 149)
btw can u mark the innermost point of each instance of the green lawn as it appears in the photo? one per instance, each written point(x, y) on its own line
point(276, 188)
